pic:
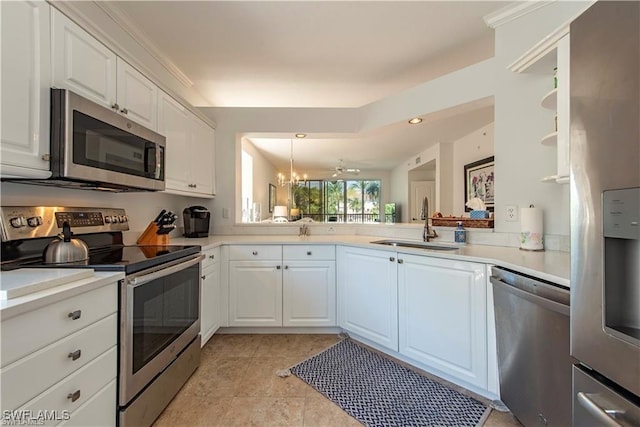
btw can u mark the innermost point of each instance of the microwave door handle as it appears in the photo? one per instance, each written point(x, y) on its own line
point(158, 169)
point(146, 278)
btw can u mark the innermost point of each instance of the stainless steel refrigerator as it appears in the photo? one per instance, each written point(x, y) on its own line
point(605, 214)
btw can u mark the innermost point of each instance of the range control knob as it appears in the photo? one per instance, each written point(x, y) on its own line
point(34, 221)
point(18, 222)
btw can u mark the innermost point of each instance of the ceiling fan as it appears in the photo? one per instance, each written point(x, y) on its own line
point(340, 169)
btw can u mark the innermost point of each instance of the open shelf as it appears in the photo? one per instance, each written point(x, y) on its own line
point(549, 101)
point(551, 139)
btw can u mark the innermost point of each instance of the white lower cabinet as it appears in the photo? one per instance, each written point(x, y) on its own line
point(442, 315)
point(275, 285)
point(368, 294)
point(210, 296)
point(255, 293)
point(71, 371)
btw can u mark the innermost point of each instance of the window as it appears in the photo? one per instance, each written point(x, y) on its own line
point(338, 201)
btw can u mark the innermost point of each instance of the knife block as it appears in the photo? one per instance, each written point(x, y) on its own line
point(150, 236)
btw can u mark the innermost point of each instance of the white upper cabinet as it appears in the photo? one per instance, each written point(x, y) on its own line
point(25, 91)
point(189, 151)
point(81, 63)
point(87, 67)
point(137, 96)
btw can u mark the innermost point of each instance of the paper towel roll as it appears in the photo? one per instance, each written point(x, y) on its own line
point(531, 229)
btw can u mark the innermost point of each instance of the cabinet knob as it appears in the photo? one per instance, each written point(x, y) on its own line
point(308, 252)
point(75, 355)
point(255, 252)
point(400, 261)
point(278, 267)
point(115, 106)
point(75, 315)
point(391, 259)
point(124, 111)
point(286, 267)
point(212, 256)
point(203, 277)
point(74, 396)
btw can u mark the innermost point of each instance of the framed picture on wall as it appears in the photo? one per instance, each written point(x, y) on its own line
point(272, 197)
point(479, 181)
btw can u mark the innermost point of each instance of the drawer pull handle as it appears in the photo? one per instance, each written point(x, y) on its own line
point(212, 256)
point(391, 259)
point(75, 315)
point(308, 252)
point(203, 277)
point(286, 267)
point(278, 267)
point(255, 252)
point(400, 261)
point(75, 355)
point(74, 396)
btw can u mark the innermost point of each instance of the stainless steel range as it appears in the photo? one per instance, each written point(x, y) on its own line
point(159, 299)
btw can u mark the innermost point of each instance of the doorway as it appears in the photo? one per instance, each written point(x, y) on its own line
point(418, 191)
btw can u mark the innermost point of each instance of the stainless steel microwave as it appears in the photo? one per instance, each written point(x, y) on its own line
point(93, 147)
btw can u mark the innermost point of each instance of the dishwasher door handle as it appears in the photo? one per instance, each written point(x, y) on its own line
point(543, 302)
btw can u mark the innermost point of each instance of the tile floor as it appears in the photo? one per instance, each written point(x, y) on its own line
point(236, 385)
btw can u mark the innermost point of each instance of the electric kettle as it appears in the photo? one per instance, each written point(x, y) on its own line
point(65, 250)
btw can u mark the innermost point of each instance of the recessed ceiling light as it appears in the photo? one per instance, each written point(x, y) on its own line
point(415, 121)
point(301, 135)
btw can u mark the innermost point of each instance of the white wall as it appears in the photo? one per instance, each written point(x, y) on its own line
point(520, 123)
point(264, 173)
point(475, 146)
point(141, 208)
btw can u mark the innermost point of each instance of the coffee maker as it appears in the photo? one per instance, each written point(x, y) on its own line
point(196, 221)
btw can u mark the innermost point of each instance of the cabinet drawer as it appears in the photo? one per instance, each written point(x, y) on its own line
point(99, 410)
point(51, 323)
point(87, 381)
point(211, 256)
point(310, 252)
point(255, 252)
point(49, 365)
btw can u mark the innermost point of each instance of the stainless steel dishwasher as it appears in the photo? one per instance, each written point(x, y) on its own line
point(532, 332)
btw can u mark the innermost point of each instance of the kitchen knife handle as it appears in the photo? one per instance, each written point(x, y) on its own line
point(159, 217)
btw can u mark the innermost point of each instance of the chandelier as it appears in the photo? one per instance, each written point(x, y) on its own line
point(293, 178)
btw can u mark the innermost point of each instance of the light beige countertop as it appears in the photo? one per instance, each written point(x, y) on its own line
point(553, 266)
point(15, 306)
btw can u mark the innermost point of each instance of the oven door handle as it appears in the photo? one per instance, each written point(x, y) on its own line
point(146, 278)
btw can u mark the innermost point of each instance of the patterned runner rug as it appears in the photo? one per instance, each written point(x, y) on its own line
point(379, 392)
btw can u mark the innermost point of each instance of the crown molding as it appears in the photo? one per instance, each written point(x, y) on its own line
point(124, 22)
point(513, 11)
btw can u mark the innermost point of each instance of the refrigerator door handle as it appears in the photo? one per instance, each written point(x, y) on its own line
point(602, 415)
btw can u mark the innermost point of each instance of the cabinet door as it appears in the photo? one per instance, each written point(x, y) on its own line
point(367, 294)
point(81, 63)
point(255, 293)
point(309, 293)
point(137, 96)
point(442, 316)
point(174, 125)
point(25, 89)
point(210, 302)
point(202, 157)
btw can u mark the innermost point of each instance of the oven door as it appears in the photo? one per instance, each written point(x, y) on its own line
point(159, 317)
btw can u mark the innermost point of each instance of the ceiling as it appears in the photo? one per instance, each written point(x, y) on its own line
point(319, 53)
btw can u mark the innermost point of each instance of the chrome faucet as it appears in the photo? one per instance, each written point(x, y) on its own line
point(427, 232)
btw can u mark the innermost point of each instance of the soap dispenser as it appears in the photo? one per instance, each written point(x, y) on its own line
point(460, 234)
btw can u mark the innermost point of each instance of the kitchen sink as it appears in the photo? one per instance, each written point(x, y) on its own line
point(418, 245)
